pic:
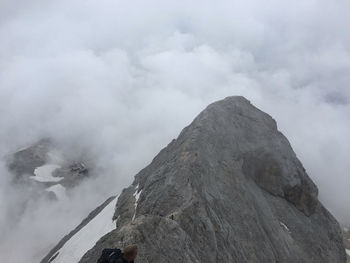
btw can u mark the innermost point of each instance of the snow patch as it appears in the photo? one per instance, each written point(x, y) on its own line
point(347, 251)
point(58, 190)
point(75, 248)
point(44, 173)
point(137, 196)
point(285, 226)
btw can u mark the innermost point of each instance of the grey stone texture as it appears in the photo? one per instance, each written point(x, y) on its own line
point(228, 189)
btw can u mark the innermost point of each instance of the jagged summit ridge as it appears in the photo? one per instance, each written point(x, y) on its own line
point(228, 189)
point(234, 130)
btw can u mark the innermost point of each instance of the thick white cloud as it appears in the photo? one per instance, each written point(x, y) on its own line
point(120, 79)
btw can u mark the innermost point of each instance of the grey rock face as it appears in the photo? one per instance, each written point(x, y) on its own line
point(346, 239)
point(228, 189)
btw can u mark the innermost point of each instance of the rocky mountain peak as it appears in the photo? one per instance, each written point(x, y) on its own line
point(232, 133)
point(228, 189)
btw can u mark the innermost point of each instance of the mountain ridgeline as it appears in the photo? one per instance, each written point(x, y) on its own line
point(228, 189)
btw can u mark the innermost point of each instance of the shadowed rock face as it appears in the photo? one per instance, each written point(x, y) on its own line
point(228, 189)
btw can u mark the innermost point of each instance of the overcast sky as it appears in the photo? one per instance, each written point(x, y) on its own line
point(120, 79)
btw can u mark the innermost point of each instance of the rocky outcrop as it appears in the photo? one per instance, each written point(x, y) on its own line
point(228, 189)
point(346, 239)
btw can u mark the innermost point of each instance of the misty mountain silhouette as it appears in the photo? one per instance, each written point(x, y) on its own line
point(34, 166)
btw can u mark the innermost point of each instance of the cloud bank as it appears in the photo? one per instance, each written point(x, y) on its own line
point(119, 79)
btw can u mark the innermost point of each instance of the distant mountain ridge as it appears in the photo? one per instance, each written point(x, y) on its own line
point(228, 189)
point(38, 166)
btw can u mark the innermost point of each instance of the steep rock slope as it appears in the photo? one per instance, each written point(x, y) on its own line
point(228, 189)
point(346, 238)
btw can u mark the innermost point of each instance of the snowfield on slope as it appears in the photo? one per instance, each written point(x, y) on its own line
point(74, 249)
point(137, 196)
point(44, 173)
